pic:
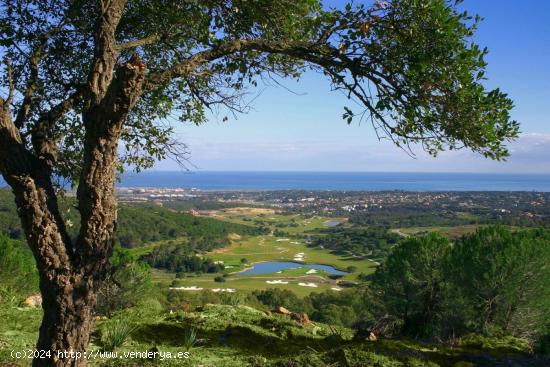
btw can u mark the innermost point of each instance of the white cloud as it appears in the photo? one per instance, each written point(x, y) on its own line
point(529, 154)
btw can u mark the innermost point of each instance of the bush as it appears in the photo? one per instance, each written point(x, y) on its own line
point(17, 268)
point(219, 279)
point(126, 286)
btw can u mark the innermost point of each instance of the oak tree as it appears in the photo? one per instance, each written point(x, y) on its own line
point(87, 87)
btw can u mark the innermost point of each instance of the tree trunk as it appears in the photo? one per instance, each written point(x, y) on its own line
point(71, 272)
point(67, 322)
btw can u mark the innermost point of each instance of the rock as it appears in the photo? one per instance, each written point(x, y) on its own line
point(100, 318)
point(33, 301)
point(300, 318)
point(372, 337)
point(281, 310)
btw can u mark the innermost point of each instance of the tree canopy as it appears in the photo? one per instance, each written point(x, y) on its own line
point(492, 281)
point(410, 67)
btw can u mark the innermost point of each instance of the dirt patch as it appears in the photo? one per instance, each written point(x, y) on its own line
point(249, 211)
point(234, 236)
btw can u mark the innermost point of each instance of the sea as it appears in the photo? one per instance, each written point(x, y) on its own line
point(346, 181)
point(336, 181)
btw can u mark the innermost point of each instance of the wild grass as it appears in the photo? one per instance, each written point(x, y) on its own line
point(115, 334)
point(189, 340)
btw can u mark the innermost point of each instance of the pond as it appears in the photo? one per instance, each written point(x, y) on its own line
point(332, 223)
point(275, 266)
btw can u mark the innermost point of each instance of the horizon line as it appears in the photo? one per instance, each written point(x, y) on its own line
point(328, 171)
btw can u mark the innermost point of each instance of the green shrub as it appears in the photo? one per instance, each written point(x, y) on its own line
point(17, 269)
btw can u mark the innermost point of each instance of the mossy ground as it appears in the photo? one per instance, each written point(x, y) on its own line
point(243, 336)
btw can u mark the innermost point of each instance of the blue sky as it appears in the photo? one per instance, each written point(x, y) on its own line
point(304, 131)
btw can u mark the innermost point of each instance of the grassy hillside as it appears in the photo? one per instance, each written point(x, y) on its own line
point(237, 336)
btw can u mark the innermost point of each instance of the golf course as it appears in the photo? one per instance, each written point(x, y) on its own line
point(247, 252)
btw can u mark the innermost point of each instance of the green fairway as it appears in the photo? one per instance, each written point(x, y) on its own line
point(270, 248)
point(245, 251)
point(250, 283)
point(291, 224)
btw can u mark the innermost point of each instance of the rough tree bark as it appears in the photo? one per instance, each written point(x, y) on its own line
point(71, 273)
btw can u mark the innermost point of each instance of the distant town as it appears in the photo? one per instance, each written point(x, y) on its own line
point(463, 206)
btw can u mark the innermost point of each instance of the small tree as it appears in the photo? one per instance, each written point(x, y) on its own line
point(503, 278)
point(411, 284)
point(81, 76)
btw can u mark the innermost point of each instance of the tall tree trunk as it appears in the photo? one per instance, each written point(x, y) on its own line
point(68, 316)
point(71, 273)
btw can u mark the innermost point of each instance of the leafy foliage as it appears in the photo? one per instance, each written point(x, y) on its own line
point(180, 259)
point(375, 241)
point(129, 283)
point(503, 278)
point(145, 223)
point(410, 66)
point(411, 284)
point(494, 281)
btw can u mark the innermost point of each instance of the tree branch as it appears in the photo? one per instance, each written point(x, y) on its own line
point(35, 197)
point(138, 43)
point(32, 84)
point(42, 137)
point(226, 48)
point(105, 53)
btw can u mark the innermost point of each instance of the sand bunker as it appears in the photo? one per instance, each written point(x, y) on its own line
point(299, 256)
point(313, 285)
point(282, 239)
point(311, 271)
point(276, 282)
point(228, 290)
point(192, 288)
point(336, 289)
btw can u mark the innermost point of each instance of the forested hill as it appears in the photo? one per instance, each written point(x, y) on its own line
point(139, 224)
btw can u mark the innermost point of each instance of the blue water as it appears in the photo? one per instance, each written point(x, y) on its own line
point(373, 181)
point(269, 267)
